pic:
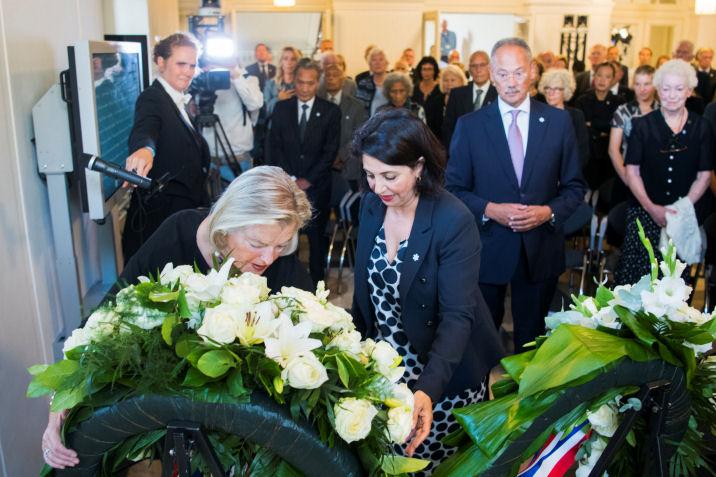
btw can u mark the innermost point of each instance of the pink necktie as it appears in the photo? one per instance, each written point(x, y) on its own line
point(514, 141)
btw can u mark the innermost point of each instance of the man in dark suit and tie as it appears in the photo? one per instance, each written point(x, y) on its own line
point(705, 74)
point(597, 56)
point(353, 115)
point(613, 57)
point(303, 140)
point(262, 69)
point(465, 99)
point(515, 164)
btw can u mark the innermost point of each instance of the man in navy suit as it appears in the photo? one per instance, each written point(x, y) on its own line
point(515, 164)
point(262, 69)
point(465, 99)
point(303, 140)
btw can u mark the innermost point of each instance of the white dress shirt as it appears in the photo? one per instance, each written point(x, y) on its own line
point(482, 88)
point(337, 97)
point(308, 111)
point(523, 119)
point(179, 98)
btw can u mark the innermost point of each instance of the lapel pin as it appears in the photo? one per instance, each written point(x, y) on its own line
point(318, 115)
point(416, 257)
point(541, 119)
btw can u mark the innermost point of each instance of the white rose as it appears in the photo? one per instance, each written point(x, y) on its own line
point(170, 275)
point(79, 337)
point(367, 347)
point(208, 287)
point(401, 396)
point(304, 372)
point(604, 420)
point(240, 294)
point(387, 361)
point(400, 423)
point(220, 324)
point(256, 281)
point(319, 317)
point(348, 341)
point(608, 318)
point(342, 320)
point(354, 418)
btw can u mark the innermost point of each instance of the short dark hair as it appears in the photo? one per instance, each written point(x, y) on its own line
point(644, 70)
point(397, 138)
point(426, 60)
point(307, 64)
point(165, 47)
point(606, 64)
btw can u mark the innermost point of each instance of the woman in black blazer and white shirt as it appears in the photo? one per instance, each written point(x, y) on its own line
point(416, 276)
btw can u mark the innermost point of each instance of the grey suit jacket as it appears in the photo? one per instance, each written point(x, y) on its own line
point(349, 88)
point(353, 115)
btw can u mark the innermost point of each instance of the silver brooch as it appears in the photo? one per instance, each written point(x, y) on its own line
point(416, 257)
point(318, 115)
point(541, 119)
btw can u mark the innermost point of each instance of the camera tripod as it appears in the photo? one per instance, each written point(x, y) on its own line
point(221, 142)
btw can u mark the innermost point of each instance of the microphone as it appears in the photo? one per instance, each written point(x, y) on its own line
point(94, 163)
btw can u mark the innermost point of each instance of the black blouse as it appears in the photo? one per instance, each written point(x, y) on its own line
point(175, 241)
point(669, 162)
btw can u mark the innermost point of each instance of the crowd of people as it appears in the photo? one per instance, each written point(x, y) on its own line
point(472, 178)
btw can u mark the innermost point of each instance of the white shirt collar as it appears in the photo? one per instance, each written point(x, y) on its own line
point(338, 96)
point(177, 96)
point(615, 89)
point(309, 103)
point(484, 87)
point(505, 108)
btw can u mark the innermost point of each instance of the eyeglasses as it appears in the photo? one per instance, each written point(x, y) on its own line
point(674, 145)
point(518, 75)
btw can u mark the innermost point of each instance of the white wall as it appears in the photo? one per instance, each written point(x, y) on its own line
point(33, 39)
point(478, 31)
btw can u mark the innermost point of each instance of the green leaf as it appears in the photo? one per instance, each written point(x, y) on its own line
point(216, 363)
point(184, 346)
point(396, 464)
point(163, 296)
point(168, 327)
point(572, 352)
point(235, 384)
point(515, 365)
point(67, 399)
point(343, 372)
point(504, 387)
point(195, 378)
point(654, 266)
point(467, 461)
point(183, 305)
point(641, 329)
point(58, 374)
point(37, 369)
point(36, 389)
point(603, 296)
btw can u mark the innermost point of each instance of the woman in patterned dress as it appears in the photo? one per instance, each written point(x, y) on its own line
point(416, 277)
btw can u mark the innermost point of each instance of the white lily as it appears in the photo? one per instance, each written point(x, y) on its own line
point(256, 324)
point(292, 340)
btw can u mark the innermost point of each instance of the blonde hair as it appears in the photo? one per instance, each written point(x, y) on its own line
point(454, 70)
point(560, 77)
point(264, 195)
point(676, 68)
point(279, 70)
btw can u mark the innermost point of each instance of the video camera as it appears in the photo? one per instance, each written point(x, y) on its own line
point(204, 87)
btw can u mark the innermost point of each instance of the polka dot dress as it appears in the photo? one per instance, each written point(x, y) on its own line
point(383, 280)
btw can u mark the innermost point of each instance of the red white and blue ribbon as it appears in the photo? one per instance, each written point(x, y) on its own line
point(558, 453)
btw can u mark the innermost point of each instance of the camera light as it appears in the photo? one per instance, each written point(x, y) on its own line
point(284, 3)
point(219, 47)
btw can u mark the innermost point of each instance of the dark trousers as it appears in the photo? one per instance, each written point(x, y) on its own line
point(530, 303)
point(317, 241)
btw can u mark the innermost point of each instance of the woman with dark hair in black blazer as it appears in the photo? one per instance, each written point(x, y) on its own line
point(165, 145)
point(416, 276)
point(427, 93)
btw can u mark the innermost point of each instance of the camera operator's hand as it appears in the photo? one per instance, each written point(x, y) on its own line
point(140, 162)
point(303, 184)
point(237, 72)
point(286, 94)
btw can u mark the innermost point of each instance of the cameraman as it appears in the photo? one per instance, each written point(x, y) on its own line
point(238, 110)
point(164, 144)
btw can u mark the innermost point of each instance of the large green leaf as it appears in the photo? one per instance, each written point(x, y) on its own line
point(396, 464)
point(468, 461)
point(57, 375)
point(67, 399)
point(215, 363)
point(639, 325)
point(168, 327)
point(515, 364)
point(572, 352)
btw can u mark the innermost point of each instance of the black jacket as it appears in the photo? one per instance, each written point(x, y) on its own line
point(312, 158)
point(254, 70)
point(460, 103)
point(449, 326)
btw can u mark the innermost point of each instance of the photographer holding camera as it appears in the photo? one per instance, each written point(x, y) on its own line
point(237, 105)
point(166, 146)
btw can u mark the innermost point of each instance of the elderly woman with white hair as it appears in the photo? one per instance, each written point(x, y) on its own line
point(369, 84)
point(255, 222)
point(558, 87)
point(670, 156)
point(398, 87)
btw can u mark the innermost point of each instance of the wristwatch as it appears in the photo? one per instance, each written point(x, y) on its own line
point(552, 220)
